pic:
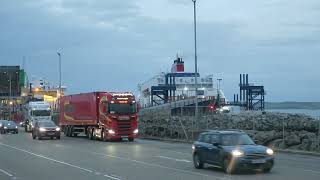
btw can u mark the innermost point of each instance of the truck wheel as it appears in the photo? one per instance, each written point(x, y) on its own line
point(58, 137)
point(71, 131)
point(33, 137)
point(65, 130)
point(90, 134)
point(131, 139)
point(94, 136)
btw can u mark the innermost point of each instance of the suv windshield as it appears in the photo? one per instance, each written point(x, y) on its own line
point(41, 113)
point(122, 108)
point(46, 124)
point(236, 139)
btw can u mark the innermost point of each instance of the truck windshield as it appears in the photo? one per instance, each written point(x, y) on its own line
point(122, 108)
point(40, 113)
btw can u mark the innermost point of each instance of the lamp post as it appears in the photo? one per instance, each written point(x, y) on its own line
point(59, 54)
point(195, 61)
point(218, 91)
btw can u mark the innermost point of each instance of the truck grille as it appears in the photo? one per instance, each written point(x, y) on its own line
point(124, 127)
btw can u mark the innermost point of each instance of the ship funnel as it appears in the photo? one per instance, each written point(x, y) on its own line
point(177, 66)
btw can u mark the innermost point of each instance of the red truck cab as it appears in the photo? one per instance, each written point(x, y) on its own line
point(100, 115)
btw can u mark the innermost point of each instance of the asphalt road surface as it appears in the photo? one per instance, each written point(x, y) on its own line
point(23, 158)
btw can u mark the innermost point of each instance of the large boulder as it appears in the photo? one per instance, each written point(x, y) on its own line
point(292, 140)
point(276, 143)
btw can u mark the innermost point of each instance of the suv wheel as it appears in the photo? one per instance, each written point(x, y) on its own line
point(227, 167)
point(267, 170)
point(197, 162)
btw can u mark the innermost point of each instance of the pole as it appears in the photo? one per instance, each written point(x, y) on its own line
point(283, 131)
point(195, 61)
point(10, 95)
point(59, 54)
point(319, 127)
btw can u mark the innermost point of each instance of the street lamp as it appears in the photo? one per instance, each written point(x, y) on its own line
point(195, 59)
point(59, 54)
point(218, 90)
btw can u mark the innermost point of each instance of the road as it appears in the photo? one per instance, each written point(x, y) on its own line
point(82, 159)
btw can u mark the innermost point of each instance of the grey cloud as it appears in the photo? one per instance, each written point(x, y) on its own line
point(135, 47)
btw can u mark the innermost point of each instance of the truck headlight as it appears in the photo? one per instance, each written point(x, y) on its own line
point(136, 131)
point(57, 129)
point(237, 153)
point(42, 129)
point(110, 131)
point(0, 125)
point(5, 127)
point(270, 151)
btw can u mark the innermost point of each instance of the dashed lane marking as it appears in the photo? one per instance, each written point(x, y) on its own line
point(6, 173)
point(174, 159)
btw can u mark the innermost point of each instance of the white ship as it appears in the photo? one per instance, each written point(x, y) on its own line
point(177, 86)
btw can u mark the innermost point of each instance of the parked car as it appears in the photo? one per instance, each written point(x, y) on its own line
point(232, 150)
point(45, 129)
point(8, 126)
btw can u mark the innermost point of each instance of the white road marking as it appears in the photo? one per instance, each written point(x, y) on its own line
point(47, 158)
point(159, 166)
point(6, 173)
point(174, 159)
point(57, 161)
point(317, 172)
point(111, 177)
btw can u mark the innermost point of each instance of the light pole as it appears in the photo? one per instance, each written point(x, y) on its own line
point(218, 91)
point(195, 61)
point(10, 95)
point(59, 54)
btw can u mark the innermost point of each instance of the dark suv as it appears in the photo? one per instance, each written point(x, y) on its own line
point(231, 150)
point(45, 129)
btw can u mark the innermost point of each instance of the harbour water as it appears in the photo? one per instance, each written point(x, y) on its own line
point(310, 112)
point(314, 113)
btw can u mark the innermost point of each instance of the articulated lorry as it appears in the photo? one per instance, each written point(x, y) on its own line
point(36, 111)
point(99, 115)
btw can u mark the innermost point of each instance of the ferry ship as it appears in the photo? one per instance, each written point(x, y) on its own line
point(177, 89)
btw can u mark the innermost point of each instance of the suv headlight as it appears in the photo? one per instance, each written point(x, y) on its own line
point(57, 129)
point(42, 129)
point(5, 127)
point(237, 153)
point(269, 151)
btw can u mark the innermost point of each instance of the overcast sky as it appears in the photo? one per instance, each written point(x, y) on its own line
point(116, 44)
